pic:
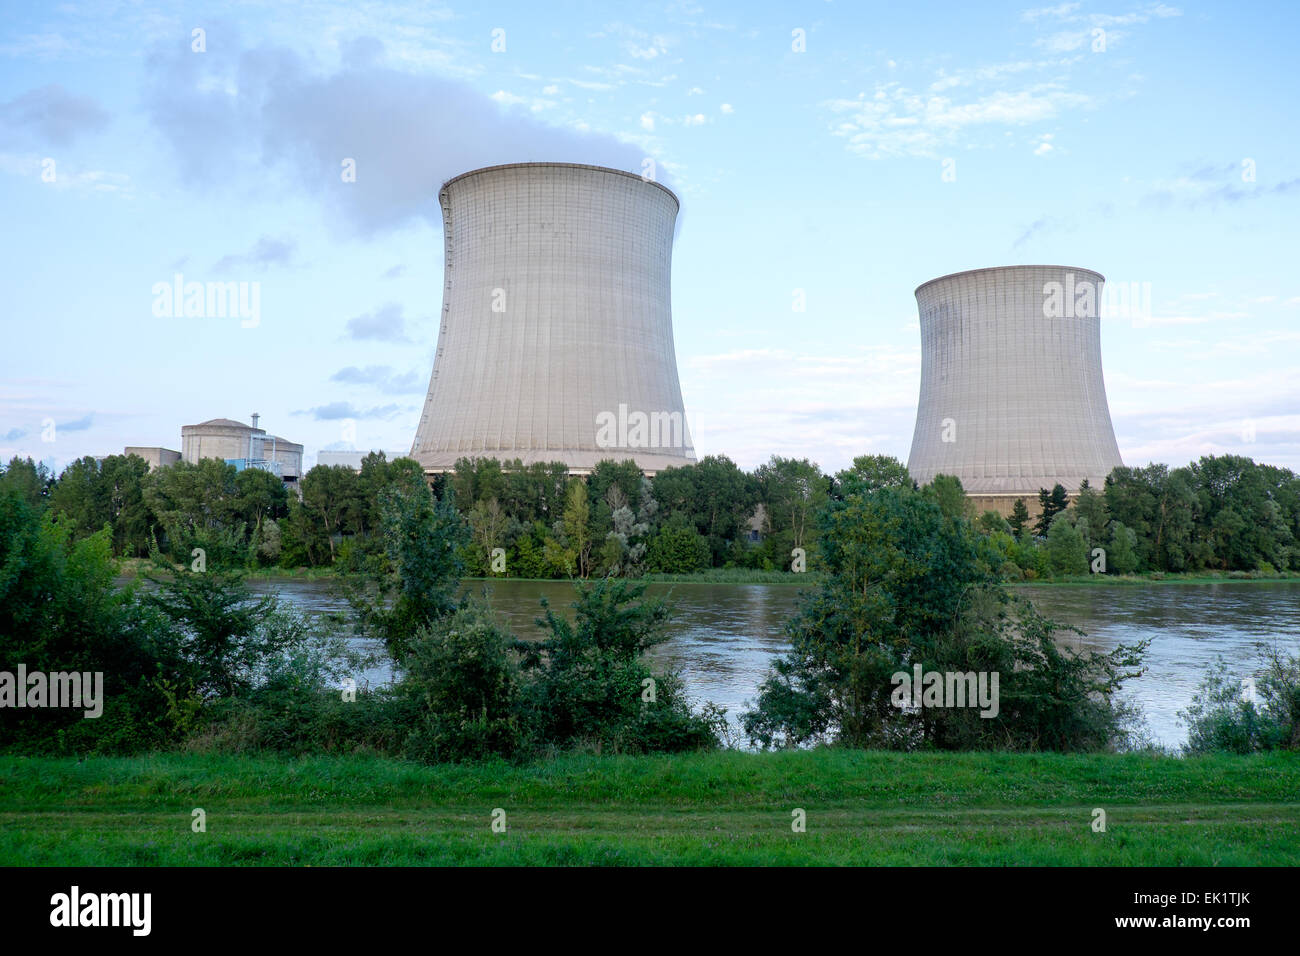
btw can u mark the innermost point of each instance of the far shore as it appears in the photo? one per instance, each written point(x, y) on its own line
point(134, 567)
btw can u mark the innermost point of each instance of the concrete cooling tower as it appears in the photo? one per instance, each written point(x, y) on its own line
point(1012, 395)
point(556, 337)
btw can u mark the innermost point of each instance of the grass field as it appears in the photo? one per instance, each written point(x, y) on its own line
point(722, 809)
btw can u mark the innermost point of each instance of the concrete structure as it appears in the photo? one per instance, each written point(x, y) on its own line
point(236, 442)
point(1012, 394)
point(156, 456)
point(556, 336)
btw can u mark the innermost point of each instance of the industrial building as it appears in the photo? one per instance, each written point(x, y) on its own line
point(556, 339)
point(244, 446)
point(156, 456)
point(1012, 394)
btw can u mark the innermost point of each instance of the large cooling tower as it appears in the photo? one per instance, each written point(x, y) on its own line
point(556, 339)
point(1012, 396)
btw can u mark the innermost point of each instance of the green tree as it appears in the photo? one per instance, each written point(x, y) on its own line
point(792, 491)
point(870, 473)
point(1019, 518)
point(1067, 551)
point(1050, 504)
point(1121, 555)
point(677, 548)
point(30, 480)
point(906, 586)
point(1090, 506)
point(947, 492)
point(423, 539)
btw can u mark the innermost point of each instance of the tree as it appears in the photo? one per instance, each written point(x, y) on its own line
point(792, 491)
point(30, 480)
point(198, 505)
point(715, 495)
point(1121, 556)
point(573, 549)
point(677, 548)
point(1067, 552)
point(219, 626)
point(1090, 506)
point(947, 492)
point(1050, 504)
point(331, 501)
point(907, 586)
point(488, 525)
point(423, 539)
point(1019, 518)
point(871, 473)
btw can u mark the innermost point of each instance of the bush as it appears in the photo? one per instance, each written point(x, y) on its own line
point(461, 682)
point(1222, 718)
point(677, 548)
point(587, 684)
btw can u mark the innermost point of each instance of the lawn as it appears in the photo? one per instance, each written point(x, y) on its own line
point(712, 809)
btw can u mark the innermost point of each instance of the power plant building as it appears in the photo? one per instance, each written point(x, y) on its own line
point(245, 446)
point(555, 340)
point(1012, 394)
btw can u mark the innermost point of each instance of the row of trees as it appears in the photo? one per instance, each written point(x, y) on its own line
point(1220, 513)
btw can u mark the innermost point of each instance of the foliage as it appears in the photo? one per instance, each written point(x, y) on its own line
point(586, 683)
point(908, 585)
point(1222, 717)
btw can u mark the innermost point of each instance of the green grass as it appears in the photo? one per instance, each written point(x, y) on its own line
point(719, 809)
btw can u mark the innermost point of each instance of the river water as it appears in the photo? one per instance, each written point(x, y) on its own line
point(724, 636)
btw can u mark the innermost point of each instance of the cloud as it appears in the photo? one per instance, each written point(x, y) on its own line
point(396, 272)
point(78, 425)
point(14, 434)
point(648, 122)
point(385, 324)
point(233, 113)
point(55, 116)
point(1069, 13)
point(1211, 185)
point(265, 252)
point(383, 377)
point(727, 108)
point(894, 121)
point(335, 411)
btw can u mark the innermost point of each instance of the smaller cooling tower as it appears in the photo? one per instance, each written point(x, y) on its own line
point(1012, 394)
point(556, 337)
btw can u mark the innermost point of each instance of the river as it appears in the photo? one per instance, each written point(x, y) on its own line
point(725, 635)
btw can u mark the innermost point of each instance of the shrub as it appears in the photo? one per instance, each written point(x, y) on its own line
point(461, 682)
point(586, 684)
point(1222, 718)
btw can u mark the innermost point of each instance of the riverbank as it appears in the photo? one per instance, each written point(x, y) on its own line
point(728, 808)
point(134, 567)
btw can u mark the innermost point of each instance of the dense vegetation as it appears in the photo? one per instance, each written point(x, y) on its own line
point(1220, 514)
point(192, 659)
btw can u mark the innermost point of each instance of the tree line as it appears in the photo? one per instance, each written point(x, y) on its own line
point(1221, 513)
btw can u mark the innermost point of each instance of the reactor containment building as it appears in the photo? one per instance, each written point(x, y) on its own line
point(1012, 395)
point(555, 341)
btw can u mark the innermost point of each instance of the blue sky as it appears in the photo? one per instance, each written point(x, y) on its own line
point(1155, 143)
